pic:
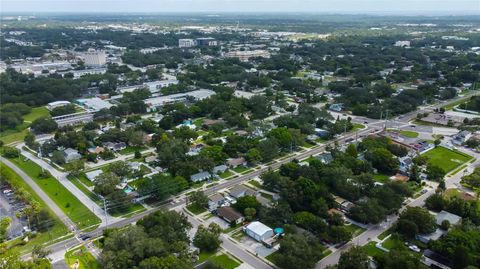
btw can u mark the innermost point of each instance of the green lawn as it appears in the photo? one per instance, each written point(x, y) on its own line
point(67, 202)
point(195, 209)
point(267, 196)
point(392, 242)
point(130, 150)
point(58, 228)
point(238, 235)
point(226, 174)
point(372, 250)
point(354, 229)
point(382, 178)
point(255, 183)
point(357, 126)
point(409, 134)
point(240, 169)
point(10, 136)
point(225, 261)
point(84, 258)
point(446, 159)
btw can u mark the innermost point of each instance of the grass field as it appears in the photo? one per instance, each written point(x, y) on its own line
point(130, 150)
point(10, 136)
point(354, 229)
point(224, 261)
point(409, 134)
point(240, 169)
point(195, 209)
point(226, 174)
point(84, 258)
point(58, 228)
point(357, 126)
point(67, 202)
point(382, 178)
point(446, 159)
point(372, 250)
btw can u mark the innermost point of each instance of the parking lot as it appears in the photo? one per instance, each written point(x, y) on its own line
point(9, 207)
point(257, 247)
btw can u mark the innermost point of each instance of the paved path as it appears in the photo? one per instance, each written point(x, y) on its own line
point(50, 203)
point(62, 178)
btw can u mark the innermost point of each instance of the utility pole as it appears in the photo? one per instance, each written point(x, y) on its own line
point(105, 209)
point(386, 118)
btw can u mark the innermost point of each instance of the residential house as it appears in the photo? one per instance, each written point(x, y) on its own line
point(435, 260)
point(71, 155)
point(200, 176)
point(150, 159)
point(230, 215)
point(343, 205)
point(115, 146)
point(241, 191)
point(439, 218)
point(220, 169)
point(405, 164)
point(461, 137)
point(96, 150)
point(321, 132)
point(336, 107)
point(325, 157)
point(215, 201)
point(259, 231)
point(233, 163)
point(93, 174)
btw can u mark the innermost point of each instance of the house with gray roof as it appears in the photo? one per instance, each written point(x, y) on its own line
point(200, 176)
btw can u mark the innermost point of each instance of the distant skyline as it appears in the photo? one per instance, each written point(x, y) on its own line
point(379, 7)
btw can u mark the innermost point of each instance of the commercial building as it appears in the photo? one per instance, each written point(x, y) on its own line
point(259, 231)
point(160, 101)
point(247, 54)
point(94, 103)
point(95, 57)
point(186, 43)
point(206, 41)
point(52, 105)
point(402, 44)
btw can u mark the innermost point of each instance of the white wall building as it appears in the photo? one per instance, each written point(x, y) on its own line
point(186, 43)
point(95, 57)
point(259, 231)
point(246, 55)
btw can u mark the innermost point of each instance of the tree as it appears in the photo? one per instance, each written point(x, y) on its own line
point(398, 259)
point(253, 156)
point(268, 150)
point(137, 154)
point(120, 168)
point(445, 225)
point(160, 186)
point(435, 172)
point(352, 150)
point(250, 213)
point(136, 138)
point(383, 160)
point(207, 239)
point(106, 183)
point(298, 251)
point(44, 125)
point(199, 198)
point(11, 152)
point(354, 258)
point(58, 157)
point(437, 142)
point(246, 201)
point(419, 217)
point(338, 234)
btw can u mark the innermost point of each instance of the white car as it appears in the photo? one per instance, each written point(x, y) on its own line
point(414, 248)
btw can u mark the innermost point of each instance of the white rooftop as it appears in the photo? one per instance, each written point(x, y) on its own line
point(258, 228)
point(93, 174)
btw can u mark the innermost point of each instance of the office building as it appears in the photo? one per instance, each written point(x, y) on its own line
point(186, 43)
point(95, 57)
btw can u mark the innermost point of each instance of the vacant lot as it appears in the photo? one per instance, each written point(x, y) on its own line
point(409, 134)
point(446, 159)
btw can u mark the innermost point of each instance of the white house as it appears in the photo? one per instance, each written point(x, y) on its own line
point(71, 155)
point(259, 231)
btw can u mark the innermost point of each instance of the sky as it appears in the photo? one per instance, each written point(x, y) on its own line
point(381, 7)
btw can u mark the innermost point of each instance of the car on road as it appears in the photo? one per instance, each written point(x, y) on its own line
point(85, 237)
point(423, 191)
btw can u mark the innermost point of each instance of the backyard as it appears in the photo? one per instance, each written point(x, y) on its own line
point(446, 159)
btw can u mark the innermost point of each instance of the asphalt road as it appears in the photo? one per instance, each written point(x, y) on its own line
point(50, 203)
point(178, 201)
